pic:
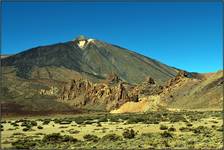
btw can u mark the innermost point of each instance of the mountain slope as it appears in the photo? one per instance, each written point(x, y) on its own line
point(188, 91)
point(91, 58)
point(204, 92)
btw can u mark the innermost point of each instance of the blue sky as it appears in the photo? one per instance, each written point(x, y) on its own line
point(183, 35)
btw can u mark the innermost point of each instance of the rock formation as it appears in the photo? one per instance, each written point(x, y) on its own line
point(113, 93)
point(53, 91)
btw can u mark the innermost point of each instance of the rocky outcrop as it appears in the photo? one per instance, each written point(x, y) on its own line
point(75, 88)
point(111, 95)
point(147, 87)
point(178, 78)
point(53, 91)
point(150, 81)
point(149, 103)
point(113, 79)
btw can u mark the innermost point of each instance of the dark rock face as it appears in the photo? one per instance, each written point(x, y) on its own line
point(180, 75)
point(183, 74)
point(74, 89)
point(147, 87)
point(113, 78)
point(150, 80)
point(113, 95)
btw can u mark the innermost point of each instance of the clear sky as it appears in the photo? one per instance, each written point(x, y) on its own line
point(184, 35)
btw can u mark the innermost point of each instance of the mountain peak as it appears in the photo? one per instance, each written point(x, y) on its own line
point(81, 37)
point(82, 41)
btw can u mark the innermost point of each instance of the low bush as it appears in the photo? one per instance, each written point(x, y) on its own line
point(163, 127)
point(213, 121)
point(172, 129)
point(14, 124)
point(79, 120)
point(72, 131)
point(189, 124)
point(54, 137)
point(148, 135)
point(134, 120)
point(58, 138)
point(201, 129)
point(39, 127)
point(220, 129)
point(3, 121)
point(166, 134)
point(99, 124)
point(33, 123)
point(24, 144)
point(177, 118)
point(103, 119)
point(67, 138)
point(185, 129)
point(129, 134)
point(91, 137)
point(46, 121)
point(111, 137)
point(26, 129)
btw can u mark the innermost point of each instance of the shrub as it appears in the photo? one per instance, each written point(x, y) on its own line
point(220, 129)
point(200, 129)
point(40, 127)
point(67, 138)
point(14, 124)
point(103, 119)
point(177, 118)
point(10, 129)
point(54, 137)
point(185, 129)
point(213, 121)
point(189, 124)
point(46, 121)
point(166, 134)
point(58, 138)
point(26, 129)
point(111, 137)
point(79, 120)
point(71, 131)
point(24, 124)
point(129, 134)
point(171, 129)
point(91, 137)
point(56, 121)
point(24, 144)
point(135, 120)
point(3, 121)
point(99, 124)
point(33, 123)
point(28, 124)
point(149, 135)
point(163, 127)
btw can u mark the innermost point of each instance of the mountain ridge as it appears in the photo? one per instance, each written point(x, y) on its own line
point(94, 59)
